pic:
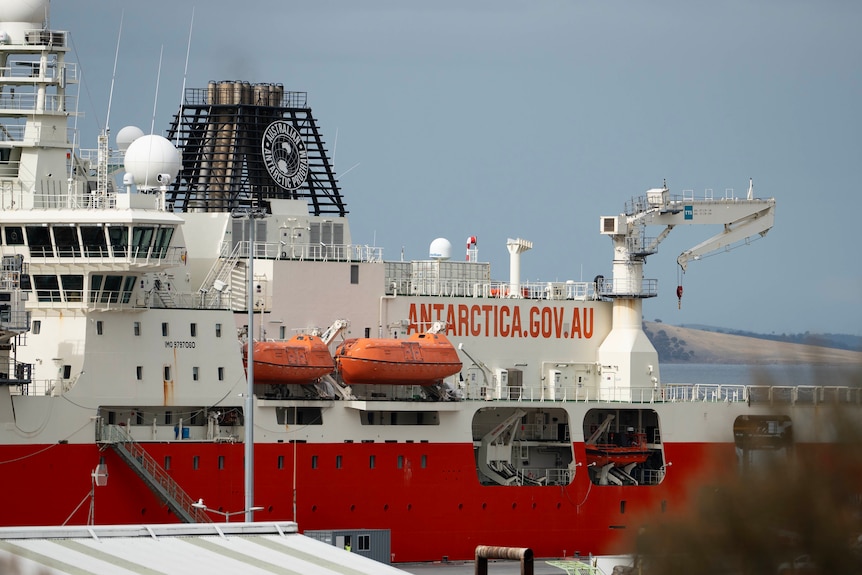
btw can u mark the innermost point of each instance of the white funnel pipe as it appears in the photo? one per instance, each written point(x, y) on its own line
point(516, 247)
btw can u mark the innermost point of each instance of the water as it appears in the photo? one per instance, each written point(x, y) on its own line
point(773, 374)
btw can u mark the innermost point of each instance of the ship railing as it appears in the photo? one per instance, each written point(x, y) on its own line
point(652, 476)
point(582, 291)
point(51, 387)
point(628, 287)
point(772, 394)
point(642, 204)
point(22, 102)
point(20, 68)
point(150, 256)
point(14, 373)
point(672, 393)
point(543, 476)
point(14, 320)
point(304, 252)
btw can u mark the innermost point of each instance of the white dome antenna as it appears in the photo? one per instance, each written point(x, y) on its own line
point(441, 249)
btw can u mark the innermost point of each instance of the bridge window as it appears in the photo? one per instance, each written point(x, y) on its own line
point(66, 238)
point(163, 240)
point(14, 236)
point(47, 288)
point(39, 240)
point(73, 287)
point(142, 237)
point(93, 239)
point(119, 237)
point(128, 286)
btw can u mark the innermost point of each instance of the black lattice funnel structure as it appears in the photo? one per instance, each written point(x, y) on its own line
point(224, 134)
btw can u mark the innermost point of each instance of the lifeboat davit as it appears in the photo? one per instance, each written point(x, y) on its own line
point(300, 359)
point(421, 359)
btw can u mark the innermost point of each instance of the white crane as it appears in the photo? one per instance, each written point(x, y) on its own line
point(626, 357)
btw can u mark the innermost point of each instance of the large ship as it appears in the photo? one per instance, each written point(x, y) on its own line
point(139, 279)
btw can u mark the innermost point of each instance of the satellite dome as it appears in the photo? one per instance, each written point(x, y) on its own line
point(126, 136)
point(149, 157)
point(441, 249)
point(24, 11)
point(20, 18)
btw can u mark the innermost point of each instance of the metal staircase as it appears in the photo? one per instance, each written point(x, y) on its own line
point(224, 276)
point(152, 474)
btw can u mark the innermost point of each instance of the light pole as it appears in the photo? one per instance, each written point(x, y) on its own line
point(251, 214)
point(226, 514)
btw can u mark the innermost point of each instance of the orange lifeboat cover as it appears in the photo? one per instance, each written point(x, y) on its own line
point(421, 359)
point(300, 359)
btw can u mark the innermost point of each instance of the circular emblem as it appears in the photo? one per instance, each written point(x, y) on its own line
point(284, 154)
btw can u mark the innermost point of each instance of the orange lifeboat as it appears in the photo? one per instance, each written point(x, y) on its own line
point(300, 359)
point(421, 359)
point(631, 448)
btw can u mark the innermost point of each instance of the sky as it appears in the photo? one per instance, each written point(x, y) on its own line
point(531, 119)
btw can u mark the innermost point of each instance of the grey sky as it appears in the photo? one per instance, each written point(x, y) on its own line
point(531, 119)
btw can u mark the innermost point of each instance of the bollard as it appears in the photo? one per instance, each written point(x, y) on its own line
point(522, 554)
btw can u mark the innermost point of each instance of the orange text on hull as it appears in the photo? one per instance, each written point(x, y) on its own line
point(504, 320)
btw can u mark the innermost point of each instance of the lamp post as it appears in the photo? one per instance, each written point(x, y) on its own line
point(251, 214)
point(226, 514)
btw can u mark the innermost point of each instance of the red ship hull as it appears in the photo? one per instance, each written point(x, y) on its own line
point(435, 510)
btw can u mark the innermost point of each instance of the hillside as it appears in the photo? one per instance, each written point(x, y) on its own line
point(686, 345)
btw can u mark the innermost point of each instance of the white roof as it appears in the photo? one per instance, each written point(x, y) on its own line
point(182, 549)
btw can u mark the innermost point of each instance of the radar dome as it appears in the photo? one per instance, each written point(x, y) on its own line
point(24, 11)
point(441, 249)
point(148, 157)
point(18, 18)
point(126, 136)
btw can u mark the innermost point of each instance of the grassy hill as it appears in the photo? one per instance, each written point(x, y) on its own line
point(687, 345)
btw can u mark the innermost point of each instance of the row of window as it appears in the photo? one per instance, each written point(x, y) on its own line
point(36, 328)
point(98, 240)
point(168, 373)
point(70, 288)
point(372, 462)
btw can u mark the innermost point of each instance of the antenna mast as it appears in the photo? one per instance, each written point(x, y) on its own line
point(186, 70)
point(104, 150)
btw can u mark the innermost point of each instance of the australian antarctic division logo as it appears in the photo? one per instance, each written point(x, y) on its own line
point(284, 154)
